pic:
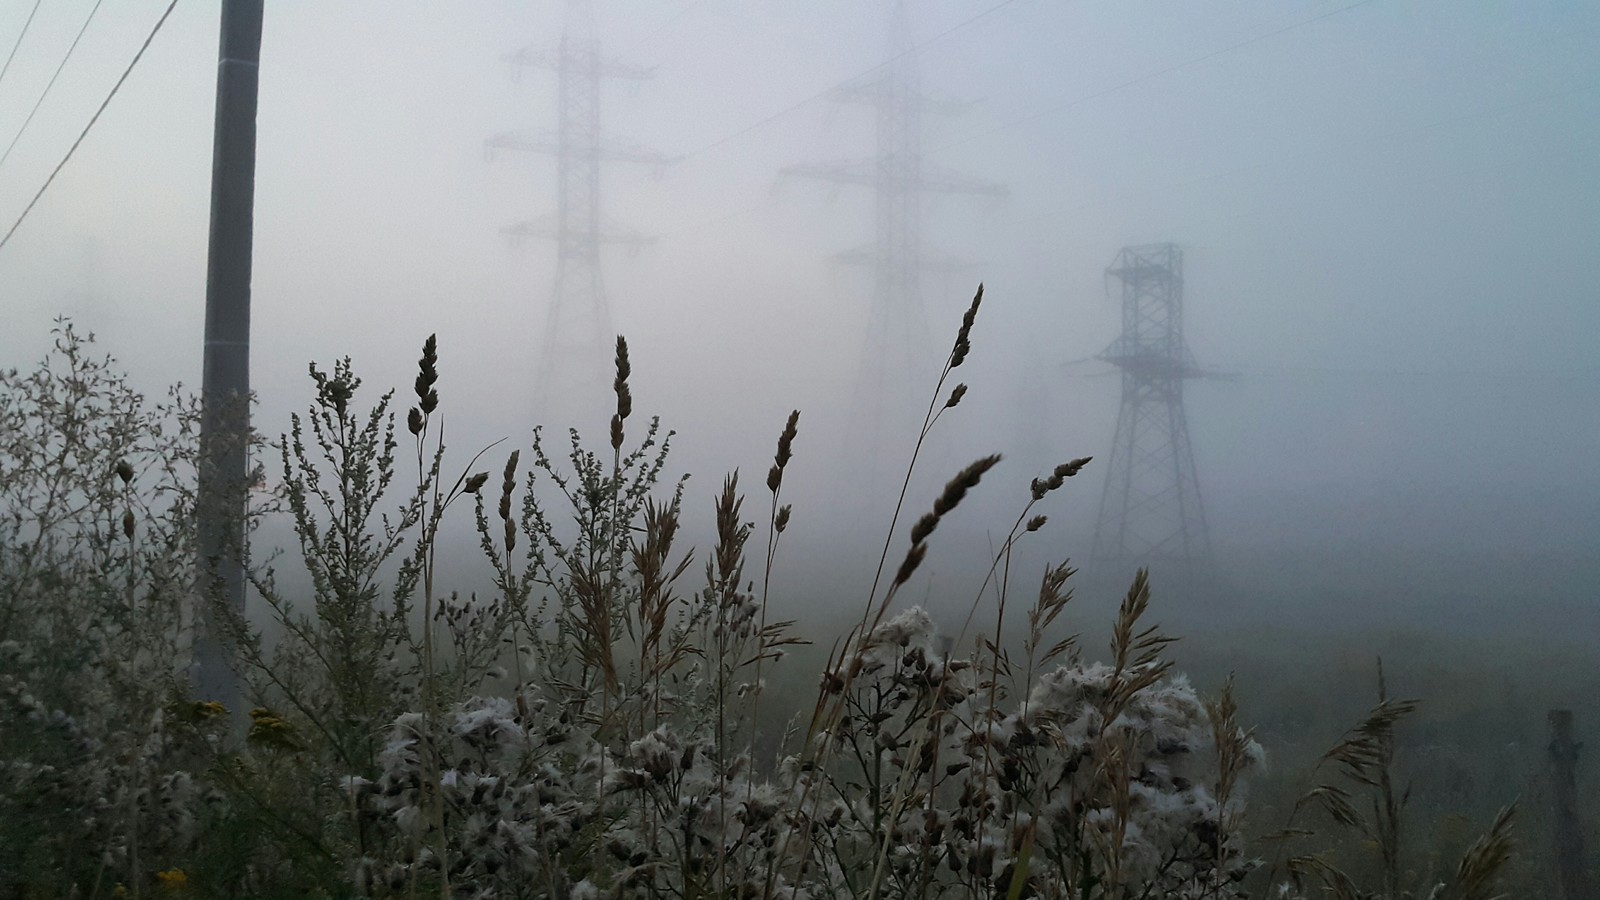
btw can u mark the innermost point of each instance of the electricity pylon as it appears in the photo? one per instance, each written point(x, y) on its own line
point(897, 330)
point(575, 349)
point(1151, 511)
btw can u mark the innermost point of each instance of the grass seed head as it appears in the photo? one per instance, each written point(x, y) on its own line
point(909, 564)
point(427, 376)
point(624, 394)
point(620, 385)
point(785, 452)
point(965, 480)
point(956, 395)
point(964, 336)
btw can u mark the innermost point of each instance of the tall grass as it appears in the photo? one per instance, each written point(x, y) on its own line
point(599, 723)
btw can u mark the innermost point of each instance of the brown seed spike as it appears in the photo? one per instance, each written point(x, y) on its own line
point(955, 396)
point(124, 471)
point(909, 565)
point(964, 337)
point(786, 440)
point(1067, 470)
point(964, 481)
point(782, 521)
point(127, 524)
point(1036, 523)
point(774, 478)
point(616, 431)
point(924, 527)
point(414, 421)
point(624, 395)
point(428, 374)
point(476, 482)
point(508, 486)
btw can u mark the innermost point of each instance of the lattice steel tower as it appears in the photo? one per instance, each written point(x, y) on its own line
point(1151, 511)
point(899, 178)
point(576, 346)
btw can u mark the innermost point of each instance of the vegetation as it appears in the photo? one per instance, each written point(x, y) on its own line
point(599, 725)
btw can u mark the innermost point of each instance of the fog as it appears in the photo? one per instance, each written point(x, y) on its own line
point(1388, 211)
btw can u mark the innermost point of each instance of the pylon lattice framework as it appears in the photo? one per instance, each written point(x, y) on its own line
point(1151, 509)
point(899, 178)
point(577, 334)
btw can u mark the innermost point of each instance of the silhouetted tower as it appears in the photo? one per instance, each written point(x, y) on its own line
point(1151, 511)
point(897, 328)
point(577, 344)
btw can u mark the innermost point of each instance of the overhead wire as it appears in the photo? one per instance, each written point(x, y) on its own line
point(20, 35)
point(1151, 76)
point(1581, 87)
point(972, 137)
point(959, 26)
point(92, 119)
point(52, 83)
point(754, 208)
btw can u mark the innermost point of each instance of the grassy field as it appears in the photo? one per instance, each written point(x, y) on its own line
point(602, 712)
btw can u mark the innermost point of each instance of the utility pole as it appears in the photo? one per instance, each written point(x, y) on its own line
point(1568, 827)
point(1151, 511)
point(897, 328)
point(576, 346)
point(225, 382)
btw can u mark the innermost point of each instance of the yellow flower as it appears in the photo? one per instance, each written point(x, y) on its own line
point(173, 879)
point(267, 727)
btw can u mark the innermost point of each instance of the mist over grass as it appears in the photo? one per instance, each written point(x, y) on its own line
point(571, 691)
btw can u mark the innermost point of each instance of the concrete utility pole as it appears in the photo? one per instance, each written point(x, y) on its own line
point(1568, 827)
point(225, 384)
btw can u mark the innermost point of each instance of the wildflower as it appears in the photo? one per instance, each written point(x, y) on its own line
point(172, 880)
point(269, 728)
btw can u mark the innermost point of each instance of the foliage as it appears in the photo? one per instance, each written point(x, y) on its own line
point(593, 726)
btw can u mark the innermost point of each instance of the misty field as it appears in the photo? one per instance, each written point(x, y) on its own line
point(608, 712)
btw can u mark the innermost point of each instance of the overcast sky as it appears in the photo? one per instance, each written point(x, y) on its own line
point(1389, 211)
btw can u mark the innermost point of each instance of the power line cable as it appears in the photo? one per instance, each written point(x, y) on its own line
point(20, 35)
point(960, 26)
point(1149, 77)
point(1582, 86)
point(40, 102)
point(93, 119)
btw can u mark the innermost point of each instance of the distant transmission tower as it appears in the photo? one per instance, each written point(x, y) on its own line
point(1151, 510)
point(576, 346)
point(898, 175)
